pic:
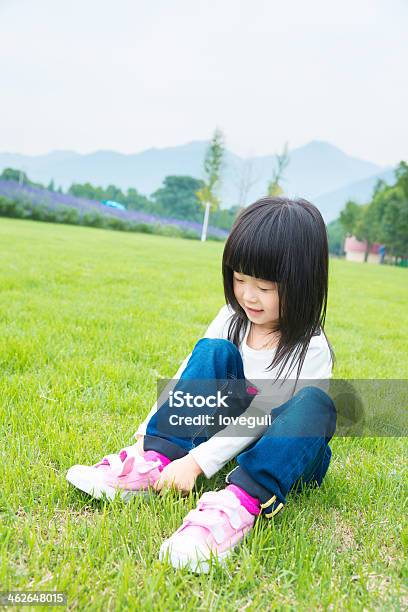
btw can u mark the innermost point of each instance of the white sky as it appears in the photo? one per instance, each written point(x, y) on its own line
point(133, 74)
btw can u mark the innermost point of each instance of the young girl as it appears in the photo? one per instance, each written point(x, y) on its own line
point(275, 272)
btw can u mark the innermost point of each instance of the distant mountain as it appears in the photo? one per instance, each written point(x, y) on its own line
point(330, 204)
point(315, 170)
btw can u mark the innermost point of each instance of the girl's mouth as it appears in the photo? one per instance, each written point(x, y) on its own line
point(252, 311)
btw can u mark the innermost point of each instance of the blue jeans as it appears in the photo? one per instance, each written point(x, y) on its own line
point(282, 459)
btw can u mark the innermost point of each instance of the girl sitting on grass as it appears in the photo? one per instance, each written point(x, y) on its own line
point(275, 272)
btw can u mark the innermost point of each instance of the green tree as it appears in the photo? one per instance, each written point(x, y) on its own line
point(213, 163)
point(385, 218)
point(401, 174)
point(114, 193)
point(350, 216)
point(225, 217)
point(178, 197)
point(395, 221)
point(336, 235)
point(361, 221)
point(86, 190)
point(399, 210)
point(137, 201)
point(368, 228)
point(13, 174)
point(388, 213)
point(132, 199)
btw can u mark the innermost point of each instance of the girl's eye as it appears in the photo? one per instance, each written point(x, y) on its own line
point(241, 280)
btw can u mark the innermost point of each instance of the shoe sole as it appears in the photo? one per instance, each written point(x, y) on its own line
point(197, 566)
point(101, 490)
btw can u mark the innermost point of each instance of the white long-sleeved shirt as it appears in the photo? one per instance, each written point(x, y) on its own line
point(213, 454)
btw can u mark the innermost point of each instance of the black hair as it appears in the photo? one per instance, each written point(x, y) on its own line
point(285, 241)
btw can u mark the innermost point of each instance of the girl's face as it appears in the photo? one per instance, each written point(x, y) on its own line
point(259, 298)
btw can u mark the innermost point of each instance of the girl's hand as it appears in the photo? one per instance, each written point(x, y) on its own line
point(181, 474)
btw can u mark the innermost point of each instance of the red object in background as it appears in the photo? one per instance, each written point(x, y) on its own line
point(359, 246)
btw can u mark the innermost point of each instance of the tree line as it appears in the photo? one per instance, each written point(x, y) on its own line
point(382, 220)
point(177, 197)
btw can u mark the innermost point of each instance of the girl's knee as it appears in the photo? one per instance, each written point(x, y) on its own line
point(217, 344)
point(317, 407)
point(315, 398)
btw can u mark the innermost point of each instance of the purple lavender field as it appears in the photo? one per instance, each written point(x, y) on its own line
point(54, 201)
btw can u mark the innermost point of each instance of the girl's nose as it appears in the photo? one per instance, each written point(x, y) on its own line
point(250, 295)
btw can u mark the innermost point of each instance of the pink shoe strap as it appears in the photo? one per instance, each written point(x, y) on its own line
point(152, 455)
point(252, 504)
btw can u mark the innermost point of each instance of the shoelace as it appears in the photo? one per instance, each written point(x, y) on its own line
point(117, 461)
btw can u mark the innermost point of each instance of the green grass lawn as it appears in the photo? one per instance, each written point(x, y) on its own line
point(89, 319)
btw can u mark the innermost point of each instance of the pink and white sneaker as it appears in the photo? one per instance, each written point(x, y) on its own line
point(208, 533)
point(127, 472)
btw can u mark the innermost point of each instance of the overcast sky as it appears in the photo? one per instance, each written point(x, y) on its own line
point(133, 74)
